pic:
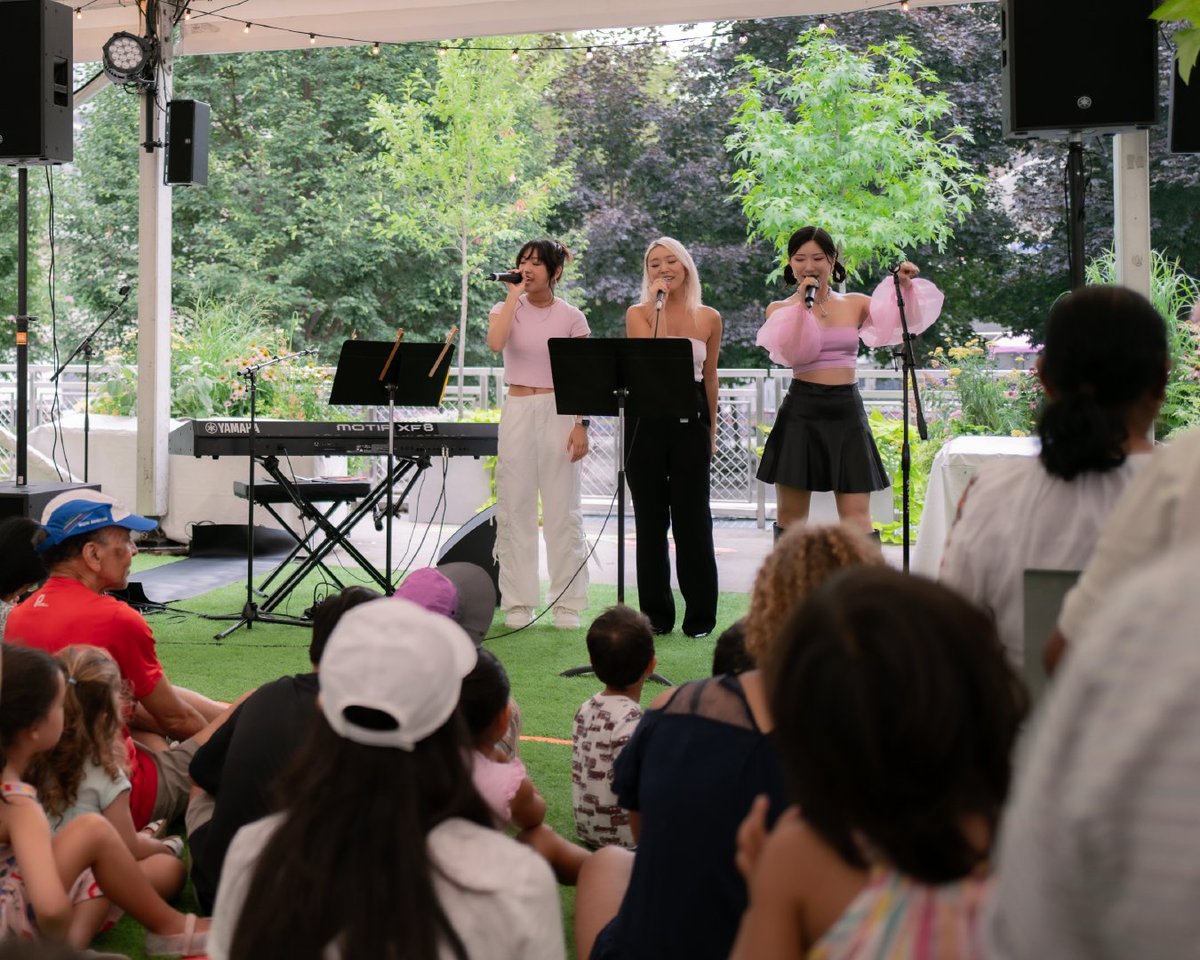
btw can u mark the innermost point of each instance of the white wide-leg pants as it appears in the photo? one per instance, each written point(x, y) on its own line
point(533, 457)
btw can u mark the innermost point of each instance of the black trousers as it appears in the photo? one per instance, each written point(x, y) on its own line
point(667, 468)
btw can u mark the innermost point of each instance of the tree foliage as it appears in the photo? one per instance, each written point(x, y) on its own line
point(467, 162)
point(848, 141)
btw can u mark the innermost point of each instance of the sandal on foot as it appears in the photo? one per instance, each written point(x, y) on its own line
point(187, 944)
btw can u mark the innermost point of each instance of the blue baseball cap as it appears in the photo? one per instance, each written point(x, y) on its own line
point(82, 511)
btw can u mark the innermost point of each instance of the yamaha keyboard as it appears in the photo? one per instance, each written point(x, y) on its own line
point(279, 438)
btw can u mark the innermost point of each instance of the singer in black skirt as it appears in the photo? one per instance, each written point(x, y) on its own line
point(821, 439)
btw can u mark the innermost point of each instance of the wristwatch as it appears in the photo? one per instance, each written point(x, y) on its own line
point(583, 422)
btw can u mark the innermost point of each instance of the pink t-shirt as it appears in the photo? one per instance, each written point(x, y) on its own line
point(526, 355)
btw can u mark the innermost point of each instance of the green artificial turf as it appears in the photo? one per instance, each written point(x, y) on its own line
point(533, 658)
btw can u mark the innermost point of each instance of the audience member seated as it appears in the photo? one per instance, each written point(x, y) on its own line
point(237, 769)
point(88, 550)
point(84, 773)
point(501, 780)
point(1104, 370)
point(1099, 854)
point(1159, 510)
point(385, 848)
point(21, 568)
point(620, 646)
point(46, 883)
point(895, 714)
point(691, 771)
point(729, 653)
point(803, 558)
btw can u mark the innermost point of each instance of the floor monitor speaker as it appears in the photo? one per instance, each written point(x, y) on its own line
point(1086, 66)
point(475, 542)
point(35, 77)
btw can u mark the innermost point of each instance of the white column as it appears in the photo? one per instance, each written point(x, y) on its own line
point(1131, 209)
point(154, 292)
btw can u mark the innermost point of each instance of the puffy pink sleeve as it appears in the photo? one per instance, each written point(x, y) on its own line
point(922, 306)
point(791, 336)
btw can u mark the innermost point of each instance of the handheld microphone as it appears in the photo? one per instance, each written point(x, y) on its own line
point(511, 277)
point(659, 298)
point(810, 296)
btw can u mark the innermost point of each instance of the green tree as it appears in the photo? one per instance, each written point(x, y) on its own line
point(468, 160)
point(848, 141)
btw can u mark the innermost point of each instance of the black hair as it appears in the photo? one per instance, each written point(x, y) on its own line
point(1105, 352)
point(328, 612)
point(20, 563)
point(28, 686)
point(485, 693)
point(895, 713)
point(730, 655)
point(552, 253)
point(359, 811)
point(620, 645)
point(72, 547)
point(823, 240)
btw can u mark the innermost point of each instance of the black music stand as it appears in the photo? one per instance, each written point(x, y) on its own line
point(376, 373)
point(636, 376)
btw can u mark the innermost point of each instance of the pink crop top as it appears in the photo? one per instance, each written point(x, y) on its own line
point(794, 338)
point(527, 354)
point(699, 355)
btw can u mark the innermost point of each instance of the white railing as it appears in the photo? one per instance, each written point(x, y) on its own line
point(747, 400)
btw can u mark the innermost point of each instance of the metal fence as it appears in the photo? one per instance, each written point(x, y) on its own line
point(746, 402)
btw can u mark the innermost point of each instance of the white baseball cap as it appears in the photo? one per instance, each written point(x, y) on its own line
point(394, 657)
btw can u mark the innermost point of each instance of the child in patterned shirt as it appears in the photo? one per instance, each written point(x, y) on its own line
point(621, 648)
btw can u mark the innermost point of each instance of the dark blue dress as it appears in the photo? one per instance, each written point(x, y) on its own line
point(692, 770)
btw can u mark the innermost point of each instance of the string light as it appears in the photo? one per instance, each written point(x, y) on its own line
point(187, 13)
point(246, 28)
point(79, 13)
point(822, 26)
point(589, 55)
point(743, 39)
point(515, 55)
point(312, 39)
point(442, 51)
point(375, 49)
point(904, 6)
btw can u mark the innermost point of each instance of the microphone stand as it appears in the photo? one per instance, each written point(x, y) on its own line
point(85, 347)
point(904, 353)
point(250, 612)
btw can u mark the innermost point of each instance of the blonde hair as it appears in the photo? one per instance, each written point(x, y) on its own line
point(802, 560)
point(689, 295)
point(93, 715)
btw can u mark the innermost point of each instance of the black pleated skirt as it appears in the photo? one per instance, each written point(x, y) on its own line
point(822, 441)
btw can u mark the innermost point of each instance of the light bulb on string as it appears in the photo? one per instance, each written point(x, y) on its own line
point(515, 55)
point(904, 6)
point(375, 49)
point(743, 39)
point(441, 51)
point(187, 13)
point(246, 28)
point(312, 39)
point(590, 54)
point(79, 13)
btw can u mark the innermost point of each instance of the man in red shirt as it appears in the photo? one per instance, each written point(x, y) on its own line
point(87, 551)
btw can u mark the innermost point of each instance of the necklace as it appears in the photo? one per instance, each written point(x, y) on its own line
point(821, 304)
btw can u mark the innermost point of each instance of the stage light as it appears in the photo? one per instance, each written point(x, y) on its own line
point(127, 58)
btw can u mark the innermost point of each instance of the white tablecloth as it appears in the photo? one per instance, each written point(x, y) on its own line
point(952, 470)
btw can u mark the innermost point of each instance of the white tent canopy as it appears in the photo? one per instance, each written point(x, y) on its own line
point(217, 26)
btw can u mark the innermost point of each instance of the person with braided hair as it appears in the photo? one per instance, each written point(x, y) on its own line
point(1104, 369)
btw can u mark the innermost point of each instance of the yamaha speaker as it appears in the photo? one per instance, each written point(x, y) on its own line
point(187, 142)
point(1078, 66)
point(475, 542)
point(35, 77)
point(1185, 113)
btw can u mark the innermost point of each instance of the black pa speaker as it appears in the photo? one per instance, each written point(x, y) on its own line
point(475, 542)
point(1086, 66)
point(1185, 113)
point(187, 142)
point(35, 75)
point(30, 499)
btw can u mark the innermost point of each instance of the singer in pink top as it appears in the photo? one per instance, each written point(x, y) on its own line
point(539, 450)
point(821, 439)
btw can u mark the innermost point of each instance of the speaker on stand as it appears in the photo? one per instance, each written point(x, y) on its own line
point(475, 542)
